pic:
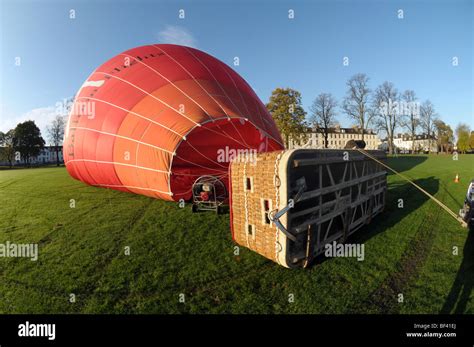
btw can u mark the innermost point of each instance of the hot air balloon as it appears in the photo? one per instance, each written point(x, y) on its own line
point(154, 118)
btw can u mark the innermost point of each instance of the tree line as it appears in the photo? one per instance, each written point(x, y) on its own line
point(25, 141)
point(385, 108)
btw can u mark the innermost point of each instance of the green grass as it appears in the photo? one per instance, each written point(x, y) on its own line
point(173, 252)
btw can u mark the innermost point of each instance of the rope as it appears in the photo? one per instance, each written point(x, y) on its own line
point(443, 206)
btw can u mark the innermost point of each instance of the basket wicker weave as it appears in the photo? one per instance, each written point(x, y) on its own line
point(246, 204)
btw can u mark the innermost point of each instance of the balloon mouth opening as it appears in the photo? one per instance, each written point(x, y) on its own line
point(209, 149)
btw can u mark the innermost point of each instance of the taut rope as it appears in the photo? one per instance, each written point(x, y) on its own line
point(451, 213)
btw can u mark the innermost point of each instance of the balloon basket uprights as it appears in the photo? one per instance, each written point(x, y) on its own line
point(209, 194)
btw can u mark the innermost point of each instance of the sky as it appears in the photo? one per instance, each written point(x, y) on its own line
point(414, 49)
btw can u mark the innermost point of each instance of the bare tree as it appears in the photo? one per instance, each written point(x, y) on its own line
point(411, 116)
point(56, 134)
point(428, 121)
point(385, 104)
point(356, 101)
point(323, 114)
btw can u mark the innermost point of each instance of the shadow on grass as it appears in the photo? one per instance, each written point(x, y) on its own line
point(405, 162)
point(412, 199)
point(459, 202)
point(463, 285)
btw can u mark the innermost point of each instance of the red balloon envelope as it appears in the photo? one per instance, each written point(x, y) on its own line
point(153, 119)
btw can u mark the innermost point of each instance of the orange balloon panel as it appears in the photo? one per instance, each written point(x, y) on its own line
point(153, 119)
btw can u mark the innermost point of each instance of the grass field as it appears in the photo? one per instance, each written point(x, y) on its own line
point(408, 251)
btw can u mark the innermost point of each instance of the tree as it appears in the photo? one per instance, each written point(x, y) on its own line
point(8, 150)
point(444, 134)
point(471, 140)
point(462, 134)
point(28, 140)
point(287, 111)
point(323, 114)
point(385, 105)
point(56, 134)
point(355, 103)
point(428, 118)
point(411, 118)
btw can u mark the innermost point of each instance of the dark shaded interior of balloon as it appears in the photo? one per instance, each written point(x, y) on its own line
point(209, 149)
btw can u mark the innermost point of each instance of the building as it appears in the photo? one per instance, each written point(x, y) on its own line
point(337, 138)
point(423, 143)
point(46, 156)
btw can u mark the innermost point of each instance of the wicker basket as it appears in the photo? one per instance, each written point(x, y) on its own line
point(325, 195)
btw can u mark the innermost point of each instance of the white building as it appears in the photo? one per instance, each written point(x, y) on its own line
point(404, 143)
point(46, 156)
point(337, 138)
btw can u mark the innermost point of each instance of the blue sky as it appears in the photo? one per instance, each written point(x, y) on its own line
point(306, 53)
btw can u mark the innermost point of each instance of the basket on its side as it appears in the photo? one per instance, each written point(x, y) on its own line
point(287, 205)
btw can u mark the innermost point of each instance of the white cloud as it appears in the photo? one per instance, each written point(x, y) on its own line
point(177, 35)
point(43, 116)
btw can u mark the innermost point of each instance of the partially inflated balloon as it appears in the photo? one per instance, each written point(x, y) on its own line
point(153, 119)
